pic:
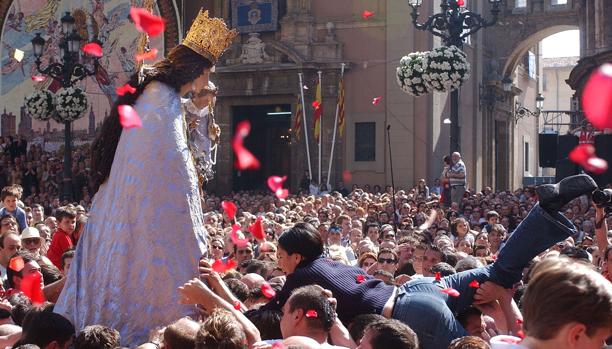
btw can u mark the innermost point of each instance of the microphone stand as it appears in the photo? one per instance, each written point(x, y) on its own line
point(392, 181)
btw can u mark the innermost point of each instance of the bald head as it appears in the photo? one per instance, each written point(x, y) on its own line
point(253, 280)
point(181, 334)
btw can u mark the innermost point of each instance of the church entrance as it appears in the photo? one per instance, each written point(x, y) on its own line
point(269, 141)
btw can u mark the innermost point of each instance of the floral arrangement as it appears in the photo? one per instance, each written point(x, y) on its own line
point(39, 105)
point(446, 69)
point(70, 104)
point(410, 74)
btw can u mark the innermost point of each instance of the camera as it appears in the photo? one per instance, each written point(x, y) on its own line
point(603, 198)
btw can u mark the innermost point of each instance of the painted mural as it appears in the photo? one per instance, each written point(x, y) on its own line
point(108, 20)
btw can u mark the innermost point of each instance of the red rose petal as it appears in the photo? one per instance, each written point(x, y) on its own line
point(127, 88)
point(282, 193)
point(312, 314)
point(438, 276)
point(316, 104)
point(460, 3)
point(229, 208)
point(519, 321)
point(521, 334)
point(147, 56)
point(360, 279)
point(245, 160)
point(257, 230)
point(451, 292)
point(16, 264)
point(93, 49)
point(596, 165)
point(474, 284)
point(347, 176)
point(221, 267)
point(276, 182)
point(367, 14)
point(146, 22)
point(38, 78)
point(597, 97)
point(236, 238)
point(581, 153)
point(32, 288)
point(128, 117)
point(267, 290)
point(237, 305)
point(376, 100)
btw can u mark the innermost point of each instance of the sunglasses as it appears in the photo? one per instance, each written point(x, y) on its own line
point(217, 247)
point(31, 241)
point(386, 260)
point(245, 251)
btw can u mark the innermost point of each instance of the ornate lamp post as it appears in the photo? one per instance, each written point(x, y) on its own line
point(453, 24)
point(67, 73)
point(521, 112)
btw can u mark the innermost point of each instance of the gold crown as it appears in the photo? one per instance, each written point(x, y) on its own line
point(209, 37)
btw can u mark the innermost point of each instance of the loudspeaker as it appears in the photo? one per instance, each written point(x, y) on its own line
point(564, 166)
point(603, 149)
point(548, 149)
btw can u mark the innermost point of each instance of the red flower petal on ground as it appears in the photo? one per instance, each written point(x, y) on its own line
point(316, 104)
point(596, 165)
point(245, 160)
point(93, 49)
point(597, 97)
point(474, 284)
point(347, 176)
point(32, 288)
point(257, 230)
point(376, 100)
point(128, 117)
point(267, 290)
point(146, 22)
point(438, 276)
point(229, 208)
point(451, 292)
point(312, 314)
point(236, 239)
point(127, 88)
point(16, 264)
point(276, 182)
point(360, 279)
point(221, 267)
point(38, 78)
point(367, 14)
point(147, 56)
point(237, 305)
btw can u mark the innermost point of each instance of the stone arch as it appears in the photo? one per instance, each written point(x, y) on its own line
point(523, 46)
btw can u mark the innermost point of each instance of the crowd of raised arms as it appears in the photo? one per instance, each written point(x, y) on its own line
point(564, 290)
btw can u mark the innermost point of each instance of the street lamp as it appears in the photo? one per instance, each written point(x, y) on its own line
point(522, 112)
point(67, 73)
point(453, 24)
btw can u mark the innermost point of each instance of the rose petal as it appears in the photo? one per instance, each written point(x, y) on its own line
point(360, 279)
point(596, 165)
point(347, 176)
point(581, 153)
point(276, 182)
point(521, 334)
point(147, 56)
point(474, 284)
point(305, 87)
point(93, 49)
point(438, 276)
point(267, 290)
point(32, 288)
point(376, 100)
point(367, 14)
point(146, 22)
point(38, 78)
point(237, 305)
point(127, 88)
point(245, 160)
point(597, 97)
point(316, 104)
point(451, 292)
point(239, 242)
point(229, 208)
point(519, 321)
point(221, 267)
point(128, 117)
point(312, 314)
point(16, 264)
point(460, 3)
point(256, 229)
point(282, 193)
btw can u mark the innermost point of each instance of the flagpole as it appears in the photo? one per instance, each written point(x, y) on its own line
point(304, 126)
point(331, 153)
point(320, 128)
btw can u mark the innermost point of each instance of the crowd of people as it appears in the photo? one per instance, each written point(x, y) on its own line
point(236, 306)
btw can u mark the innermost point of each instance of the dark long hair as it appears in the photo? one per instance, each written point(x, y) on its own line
point(303, 239)
point(181, 66)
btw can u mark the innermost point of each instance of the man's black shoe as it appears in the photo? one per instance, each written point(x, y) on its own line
point(554, 196)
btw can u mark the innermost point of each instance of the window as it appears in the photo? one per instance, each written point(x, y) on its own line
point(532, 65)
point(526, 157)
point(365, 141)
point(558, 2)
point(521, 3)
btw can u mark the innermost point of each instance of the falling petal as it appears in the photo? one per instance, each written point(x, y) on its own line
point(347, 176)
point(221, 267)
point(245, 160)
point(474, 284)
point(451, 292)
point(460, 3)
point(38, 78)
point(438, 276)
point(16, 264)
point(519, 321)
point(360, 279)
point(267, 290)
point(230, 209)
point(521, 334)
point(93, 49)
point(282, 193)
point(257, 230)
point(316, 104)
point(367, 14)
point(305, 87)
point(128, 117)
point(237, 305)
point(127, 88)
point(147, 56)
point(236, 239)
point(18, 55)
point(312, 314)
point(596, 165)
point(376, 100)
point(597, 97)
point(581, 153)
point(146, 22)
point(276, 182)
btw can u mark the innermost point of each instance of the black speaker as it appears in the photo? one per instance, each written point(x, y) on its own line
point(603, 149)
point(565, 167)
point(548, 149)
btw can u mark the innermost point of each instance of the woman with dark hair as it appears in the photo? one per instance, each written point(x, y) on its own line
point(145, 232)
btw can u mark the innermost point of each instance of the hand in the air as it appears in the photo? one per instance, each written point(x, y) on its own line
point(194, 291)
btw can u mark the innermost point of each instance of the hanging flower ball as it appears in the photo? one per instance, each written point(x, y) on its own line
point(410, 74)
point(39, 105)
point(447, 69)
point(70, 104)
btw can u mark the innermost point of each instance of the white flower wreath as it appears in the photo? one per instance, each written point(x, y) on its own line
point(410, 74)
point(39, 105)
point(70, 104)
point(447, 68)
